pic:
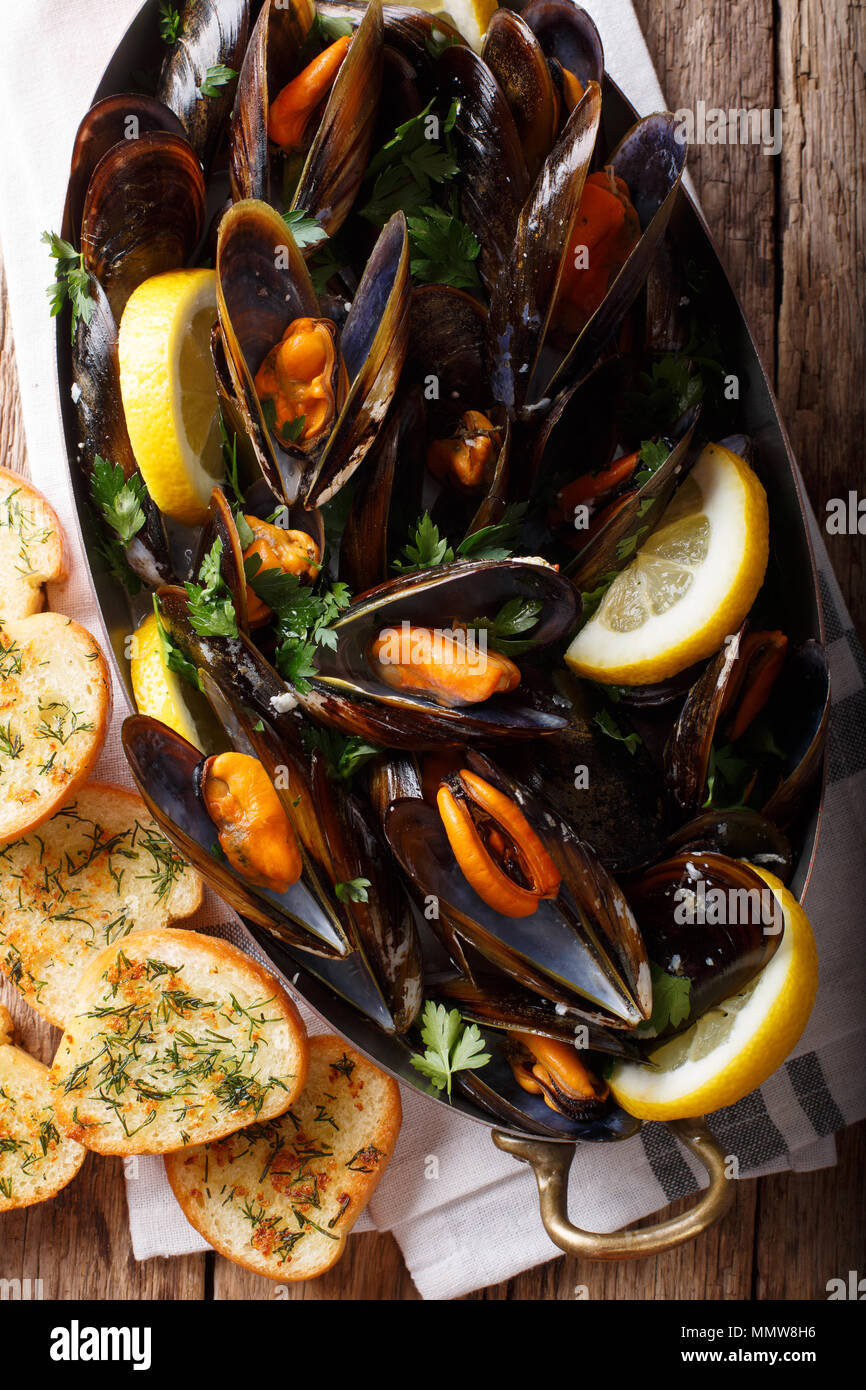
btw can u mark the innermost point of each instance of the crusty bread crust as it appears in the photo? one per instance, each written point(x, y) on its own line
point(96, 871)
point(36, 1161)
point(55, 704)
point(280, 1199)
point(31, 546)
point(175, 1038)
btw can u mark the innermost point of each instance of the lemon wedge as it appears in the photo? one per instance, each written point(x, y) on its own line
point(158, 690)
point(734, 1047)
point(168, 389)
point(471, 17)
point(691, 583)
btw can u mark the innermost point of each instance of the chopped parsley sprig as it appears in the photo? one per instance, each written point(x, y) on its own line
point(344, 754)
point(169, 22)
point(71, 282)
point(303, 617)
point(516, 616)
point(427, 548)
point(211, 609)
point(216, 77)
point(451, 1046)
point(413, 172)
point(119, 503)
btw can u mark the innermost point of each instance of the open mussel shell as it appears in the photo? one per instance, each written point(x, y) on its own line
point(709, 919)
point(361, 702)
point(124, 116)
point(739, 833)
point(337, 160)
point(212, 33)
point(262, 286)
point(567, 35)
point(374, 342)
point(220, 526)
point(641, 511)
point(447, 330)
point(611, 796)
point(495, 1001)
point(650, 160)
point(163, 767)
point(143, 213)
point(493, 180)
point(523, 296)
point(383, 926)
point(271, 60)
point(581, 948)
point(102, 430)
point(687, 753)
point(339, 843)
point(797, 711)
point(494, 1087)
point(516, 59)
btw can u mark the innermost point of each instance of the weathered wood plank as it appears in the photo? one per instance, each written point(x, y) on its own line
point(721, 53)
point(822, 310)
point(371, 1268)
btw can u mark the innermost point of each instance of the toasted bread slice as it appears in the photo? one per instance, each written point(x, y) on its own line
point(36, 1160)
point(98, 870)
point(31, 546)
point(55, 703)
point(175, 1038)
point(281, 1197)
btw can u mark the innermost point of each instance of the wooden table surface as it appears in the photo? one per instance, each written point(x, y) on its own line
point(791, 231)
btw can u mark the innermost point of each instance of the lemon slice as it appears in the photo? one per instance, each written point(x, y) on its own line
point(734, 1047)
point(169, 390)
point(158, 690)
point(471, 17)
point(691, 583)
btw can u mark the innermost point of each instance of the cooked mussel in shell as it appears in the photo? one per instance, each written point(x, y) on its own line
point(254, 832)
point(554, 1070)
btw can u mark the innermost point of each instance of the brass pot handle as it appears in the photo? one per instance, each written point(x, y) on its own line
point(551, 1163)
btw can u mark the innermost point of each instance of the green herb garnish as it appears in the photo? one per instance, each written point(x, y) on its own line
point(356, 890)
point(306, 229)
point(451, 1046)
point(216, 78)
point(169, 22)
point(71, 281)
point(120, 500)
point(211, 609)
point(608, 725)
point(344, 754)
point(671, 1002)
point(516, 616)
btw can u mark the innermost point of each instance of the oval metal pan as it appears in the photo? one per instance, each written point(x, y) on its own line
point(791, 579)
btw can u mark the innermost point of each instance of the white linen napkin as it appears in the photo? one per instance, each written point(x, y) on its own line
point(465, 1214)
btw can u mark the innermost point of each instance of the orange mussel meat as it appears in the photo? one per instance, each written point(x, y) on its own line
point(304, 381)
point(446, 664)
point(467, 458)
point(606, 231)
point(293, 109)
point(254, 832)
point(292, 552)
point(499, 853)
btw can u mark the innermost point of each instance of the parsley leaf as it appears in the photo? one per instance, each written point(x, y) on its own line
point(451, 1046)
point(119, 500)
point(515, 616)
point(344, 754)
point(727, 784)
point(494, 542)
point(608, 725)
point(211, 610)
point(666, 391)
point(217, 76)
point(671, 1002)
point(169, 22)
point(355, 891)
point(332, 29)
point(443, 250)
point(71, 281)
point(306, 229)
point(303, 618)
point(652, 455)
point(424, 548)
point(172, 655)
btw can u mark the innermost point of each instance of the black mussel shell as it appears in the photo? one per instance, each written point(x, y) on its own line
point(739, 833)
point(143, 213)
point(718, 957)
point(515, 57)
point(212, 33)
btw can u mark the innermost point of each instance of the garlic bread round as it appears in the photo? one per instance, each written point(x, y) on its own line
point(98, 870)
point(175, 1038)
point(280, 1197)
point(31, 546)
point(36, 1160)
point(55, 703)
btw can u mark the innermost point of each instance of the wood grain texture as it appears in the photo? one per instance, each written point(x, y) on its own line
point(791, 232)
point(822, 253)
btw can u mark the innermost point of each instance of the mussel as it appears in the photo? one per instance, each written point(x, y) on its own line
point(312, 399)
point(578, 945)
point(212, 36)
